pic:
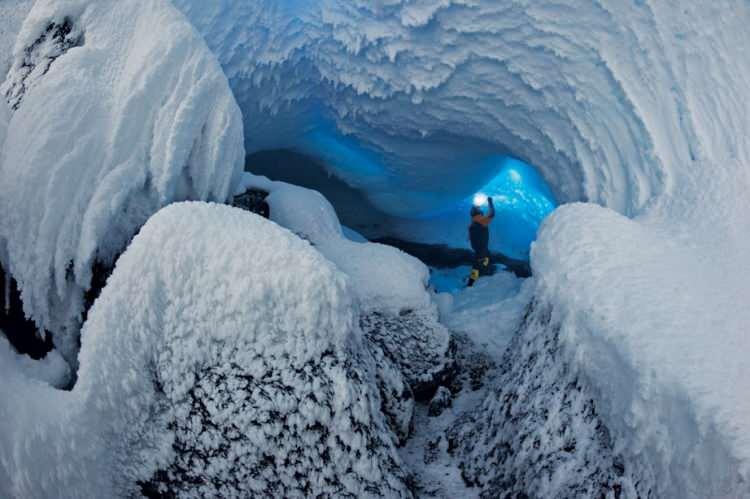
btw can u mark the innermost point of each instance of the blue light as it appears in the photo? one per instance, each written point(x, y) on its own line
point(480, 199)
point(522, 200)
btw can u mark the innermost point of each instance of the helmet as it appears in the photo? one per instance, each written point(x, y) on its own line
point(475, 210)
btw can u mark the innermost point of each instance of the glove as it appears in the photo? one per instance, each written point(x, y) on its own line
point(489, 200)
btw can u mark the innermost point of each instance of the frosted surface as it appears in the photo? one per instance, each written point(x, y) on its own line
point(125, 113)
point(638, 106)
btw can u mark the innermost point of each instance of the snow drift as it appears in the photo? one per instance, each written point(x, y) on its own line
point(222, 358)
point(383, 278)
point(398, 316)
point(118, 109)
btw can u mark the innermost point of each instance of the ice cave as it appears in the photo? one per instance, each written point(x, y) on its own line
point(235, 238)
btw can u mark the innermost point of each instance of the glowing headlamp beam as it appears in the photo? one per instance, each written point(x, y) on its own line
point(480, 199)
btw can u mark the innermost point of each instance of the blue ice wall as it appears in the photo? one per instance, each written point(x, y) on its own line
point(434, 208)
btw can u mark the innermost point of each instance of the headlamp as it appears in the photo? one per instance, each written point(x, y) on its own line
point(480, 199)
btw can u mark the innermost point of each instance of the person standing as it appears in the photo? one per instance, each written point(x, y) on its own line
point(479, 236)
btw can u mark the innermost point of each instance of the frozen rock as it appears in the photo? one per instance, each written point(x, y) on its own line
point(222, 359)
point(395, 393)
point(254, 201)
point(442, 400)
point(538, 434)
point(417, 343)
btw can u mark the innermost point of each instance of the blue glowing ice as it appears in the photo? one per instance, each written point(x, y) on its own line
point(522, 200)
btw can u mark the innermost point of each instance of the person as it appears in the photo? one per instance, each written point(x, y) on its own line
point(479, 236)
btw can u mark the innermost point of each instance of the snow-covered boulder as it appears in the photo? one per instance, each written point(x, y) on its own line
point(397, 313)
point(618, 381)
point(384, 278)
point(119, 109)
point(537, 433)
point(223, 358)
point(417, 343)
point(654, 322)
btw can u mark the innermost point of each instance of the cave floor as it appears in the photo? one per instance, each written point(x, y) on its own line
point(482, 319)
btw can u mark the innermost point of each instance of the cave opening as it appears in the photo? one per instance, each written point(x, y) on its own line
point(438, 235)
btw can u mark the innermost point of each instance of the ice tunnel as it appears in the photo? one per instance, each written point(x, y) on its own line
point(522, 197)
point(631, 116)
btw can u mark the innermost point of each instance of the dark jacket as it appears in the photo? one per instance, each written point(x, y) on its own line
point(479, 232)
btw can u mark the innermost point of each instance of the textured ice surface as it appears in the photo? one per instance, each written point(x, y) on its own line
point(119, 109)
point(636, 106)
point(639, 106)
point(204, 361)
point(384, 278)
point(12, 14)
point(558, 84)
point(397, 314)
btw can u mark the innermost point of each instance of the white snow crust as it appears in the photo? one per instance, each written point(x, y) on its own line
point(208, 299)
point(12, 14)
point(383, 278)
point(126, 113)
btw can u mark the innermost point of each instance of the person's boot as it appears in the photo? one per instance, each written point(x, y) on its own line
point(472, 278)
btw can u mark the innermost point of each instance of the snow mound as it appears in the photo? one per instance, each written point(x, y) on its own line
point(656, 328)
point(417, 343)
point(383, 278)
point(397, 313)
point(119, 109)
point(223, 358)
point(537, 433)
